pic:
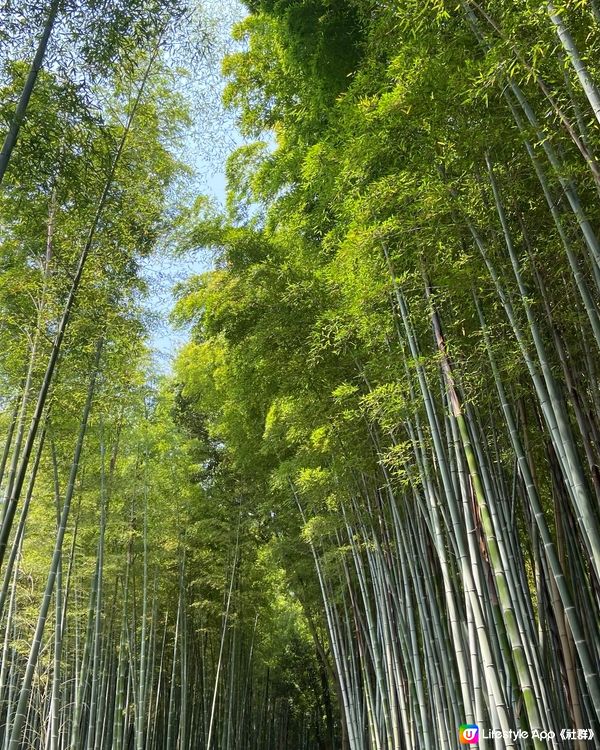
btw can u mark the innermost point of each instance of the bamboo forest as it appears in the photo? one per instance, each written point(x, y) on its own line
point(299, 374)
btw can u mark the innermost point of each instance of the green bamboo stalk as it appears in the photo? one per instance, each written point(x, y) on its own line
point(11, 505)
point(558, 576)
point(568, 43)
point(11, 137)
point(24, 695)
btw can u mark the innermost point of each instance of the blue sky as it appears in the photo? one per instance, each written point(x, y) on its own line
point(212, 137)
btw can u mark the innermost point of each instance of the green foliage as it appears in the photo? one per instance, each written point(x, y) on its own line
point(337, 347)
point(365, 504)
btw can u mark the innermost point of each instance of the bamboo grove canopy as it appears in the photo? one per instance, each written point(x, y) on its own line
point(362, 509)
